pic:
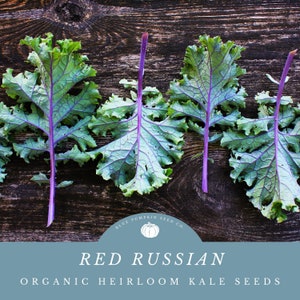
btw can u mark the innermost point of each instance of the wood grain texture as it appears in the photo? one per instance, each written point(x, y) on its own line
point(110, 34)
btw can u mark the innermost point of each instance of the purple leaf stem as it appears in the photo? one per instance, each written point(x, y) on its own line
point(140, 89)
point(278, 99)
point(51, 208)
point(206, 137)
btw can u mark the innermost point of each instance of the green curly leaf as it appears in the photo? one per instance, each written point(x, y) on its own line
point(51, 105)
point(136, 158)
point(145, 139)
point(208, 94)
point(5, 153)
point(266, 154)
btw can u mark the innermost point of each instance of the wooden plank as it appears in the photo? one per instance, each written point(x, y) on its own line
point(110, 35)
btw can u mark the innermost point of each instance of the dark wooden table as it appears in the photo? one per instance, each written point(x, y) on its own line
point(110, 33)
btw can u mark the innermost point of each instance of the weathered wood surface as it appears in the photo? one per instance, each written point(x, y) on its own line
point(110, 33)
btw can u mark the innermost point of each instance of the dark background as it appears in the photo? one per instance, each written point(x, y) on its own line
point(110, 33)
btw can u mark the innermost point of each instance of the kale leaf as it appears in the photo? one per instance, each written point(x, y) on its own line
point(5, 148)
point(208, 94)
point(51, 106)
point(266, 152)
point(145, 138)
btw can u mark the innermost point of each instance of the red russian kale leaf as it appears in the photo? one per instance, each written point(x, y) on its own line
point(145, 138)
point(266, 152)
point(208, 94)
point(5, 149)
point(46, 108)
